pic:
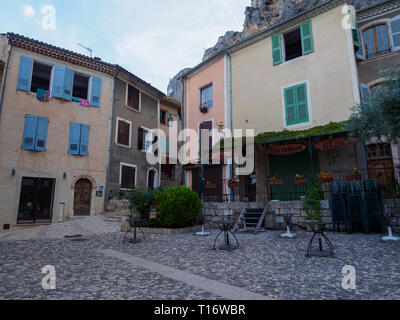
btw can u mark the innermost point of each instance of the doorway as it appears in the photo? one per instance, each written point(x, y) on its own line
point(36, 200)
point(82, 197)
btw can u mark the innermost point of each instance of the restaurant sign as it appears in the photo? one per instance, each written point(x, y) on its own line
point(286, 149)
point(334, 144)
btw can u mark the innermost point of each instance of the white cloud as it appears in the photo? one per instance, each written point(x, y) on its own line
point(28, 11)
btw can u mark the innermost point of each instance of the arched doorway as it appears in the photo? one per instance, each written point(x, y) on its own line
point(82, 197)
point(152, 178)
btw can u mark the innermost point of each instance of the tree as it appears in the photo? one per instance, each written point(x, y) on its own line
point(378, 116)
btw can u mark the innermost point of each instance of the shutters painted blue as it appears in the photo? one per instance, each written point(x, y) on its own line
point(25, 74)
point(74, 138)
point(360, 52)
point(41, 134)
point(307, 37)
point(29, 138)
point(84, 145)
point(58, 82)
point(68, 84)
point(277, 49)
point(365, 92)
point(95, 91)
point(394, 26)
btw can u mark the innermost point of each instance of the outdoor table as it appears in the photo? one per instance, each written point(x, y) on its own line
point(289, 234)
point(318, 228)
point(133, 222)
point(388, 216)
point(226, 227)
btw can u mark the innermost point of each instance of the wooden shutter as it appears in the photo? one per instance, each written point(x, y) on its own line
point(124, 129)
point(84, 142)
point(365, 92)
point(25, 74)
point(58, 82)
point(394, 26)
point(307, 37)
point(128, 177)
point(133, 97)
point(95, 93)
point(74, 138)
point(29, 138)
point(277, 49)
point(302, 103)
point(290, 104)
point(68, 84)
point(140, 139)
point(41, 134)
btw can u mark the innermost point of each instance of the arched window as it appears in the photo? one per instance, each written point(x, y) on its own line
point(376, 41)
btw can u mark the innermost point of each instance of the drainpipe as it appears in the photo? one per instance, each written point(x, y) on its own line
point(107, 192)
point(183, 180)
point(3, 86)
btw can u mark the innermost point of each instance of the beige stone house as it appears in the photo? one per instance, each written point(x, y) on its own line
point(55, 117)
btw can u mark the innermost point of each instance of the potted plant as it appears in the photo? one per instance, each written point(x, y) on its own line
point(325, 177)
point(275, 180)
point(210, 185)
point(233, 183)
point(312, 205)
point(300, 179)
point(354, 175)
point(203, 109)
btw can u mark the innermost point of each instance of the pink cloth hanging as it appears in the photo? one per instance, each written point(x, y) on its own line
point(84, 102)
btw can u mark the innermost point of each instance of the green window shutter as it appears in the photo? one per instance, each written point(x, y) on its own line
point(356, 37)
point(290, 105)
point(302, 104)
point(277, 49)
point(307, 37)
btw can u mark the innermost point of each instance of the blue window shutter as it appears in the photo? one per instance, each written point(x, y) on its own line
point(394, 26)
point(25, 74)
point(365, 92)
point(29, 138)
point(41, 134)
point(74, 138)
point(277, 49)
point(95, 92)
point(58, 82)
point(84, 148)
point(68, 84)
point(290, 104)
point(302, 103)
point(360, 52)
point(307, 37)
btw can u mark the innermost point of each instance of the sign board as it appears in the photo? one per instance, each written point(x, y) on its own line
point(286, 149)
point(335, 144)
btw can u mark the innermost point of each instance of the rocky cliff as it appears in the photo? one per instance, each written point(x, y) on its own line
point(263, 14)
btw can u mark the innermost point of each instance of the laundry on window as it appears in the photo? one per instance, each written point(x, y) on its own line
point(84, 102)
point(43, 95)
point(75, 99)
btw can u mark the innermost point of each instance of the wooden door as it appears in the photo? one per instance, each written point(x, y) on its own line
point(83, 197)
point(150, 182)
point(380, 165)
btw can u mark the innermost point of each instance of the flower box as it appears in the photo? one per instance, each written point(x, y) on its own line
point(325, 180)
point(301, 181)
point(203, 109)
point(211, 186)
point(276, 182)
point(233, 185)
point(353, 177)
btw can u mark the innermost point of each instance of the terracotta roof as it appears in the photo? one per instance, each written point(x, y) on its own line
point(75, 58)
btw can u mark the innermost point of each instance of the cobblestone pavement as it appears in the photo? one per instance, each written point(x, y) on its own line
point(264, 264)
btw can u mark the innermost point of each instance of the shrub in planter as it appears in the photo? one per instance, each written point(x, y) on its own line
point(312, 203)
point(178, 207)
point(141, 201)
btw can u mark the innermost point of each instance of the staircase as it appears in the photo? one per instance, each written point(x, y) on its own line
point(251, 219)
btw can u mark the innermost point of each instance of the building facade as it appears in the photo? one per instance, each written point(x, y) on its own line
point(54, 125)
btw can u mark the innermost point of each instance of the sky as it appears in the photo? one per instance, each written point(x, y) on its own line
point(154, 39)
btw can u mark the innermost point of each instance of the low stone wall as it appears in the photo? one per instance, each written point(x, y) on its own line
point(125, 227)
point(116, 205)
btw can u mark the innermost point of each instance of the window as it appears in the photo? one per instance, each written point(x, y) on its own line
point(145, 140)
point(296, 104)
point(293, 47)
point(127, 176)
point(163, 117)
point(296, 43)
point(41, 74)
point(133, 97)
point(35, 133)
point(206, 96)
point(124, 132)
point(79, 139)
point(168, 171)
point(376, 41)
point(81, 86)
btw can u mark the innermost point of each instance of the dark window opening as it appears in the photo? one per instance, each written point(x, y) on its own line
point(163, 117)
point(128, 177)
point(168, 171)
point(293, 46)
point(81, 86)
point(41, 75)
point(124, 129)
point(133, 97)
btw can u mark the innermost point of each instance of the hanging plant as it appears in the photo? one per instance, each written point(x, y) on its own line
point(275, 180)
point(203, 109)
point(233, 183)
point(354, 175)
point(300, 179)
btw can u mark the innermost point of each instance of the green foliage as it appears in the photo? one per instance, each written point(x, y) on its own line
point(178, 207)
point(312, 203)
point(379, 115)
point(141, 202)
